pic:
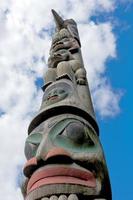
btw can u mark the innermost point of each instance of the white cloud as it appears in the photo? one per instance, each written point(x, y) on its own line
point(25, 42)
point(99, 45)
point(106, 99)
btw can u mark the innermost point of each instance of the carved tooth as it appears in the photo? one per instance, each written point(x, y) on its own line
point(53, 197)
point(45, 198)
point(72, 197)
point(62, 197)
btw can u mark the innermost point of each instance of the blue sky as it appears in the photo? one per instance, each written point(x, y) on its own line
point(106, 33)
point(116, 133)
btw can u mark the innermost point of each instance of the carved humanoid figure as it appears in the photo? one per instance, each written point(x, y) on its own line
point(65, 55)
point(65, 159)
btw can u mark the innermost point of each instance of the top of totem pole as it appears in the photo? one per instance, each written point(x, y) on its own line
point(69, 24)
point(66, 74)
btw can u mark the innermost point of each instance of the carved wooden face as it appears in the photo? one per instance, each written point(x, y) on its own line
point(64, 151)
point(58, 56)
point(63, 40)
point(56, 93)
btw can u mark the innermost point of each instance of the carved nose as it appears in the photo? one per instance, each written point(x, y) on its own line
point(57, 155)
point(55, 152)
point(54, 156)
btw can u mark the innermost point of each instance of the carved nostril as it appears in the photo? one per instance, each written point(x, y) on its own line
point(59, 159)
point(30, 167)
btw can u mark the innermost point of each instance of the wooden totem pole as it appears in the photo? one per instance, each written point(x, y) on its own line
point(65, 160)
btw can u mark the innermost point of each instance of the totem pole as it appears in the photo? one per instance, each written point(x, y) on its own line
point(65, 159)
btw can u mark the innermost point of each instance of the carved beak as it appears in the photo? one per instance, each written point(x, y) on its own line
point(58, 20)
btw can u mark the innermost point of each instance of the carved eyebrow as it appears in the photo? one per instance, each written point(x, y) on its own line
point(34, 138)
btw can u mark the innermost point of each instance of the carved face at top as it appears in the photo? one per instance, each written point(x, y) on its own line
point(63, 40)
point(62, 34)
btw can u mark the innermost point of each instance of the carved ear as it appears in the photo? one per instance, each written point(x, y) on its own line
point(58, 20)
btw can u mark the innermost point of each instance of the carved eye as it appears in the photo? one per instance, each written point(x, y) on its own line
point(61, 91)
point(31, 145)
point(75, 131)
point(78, 133)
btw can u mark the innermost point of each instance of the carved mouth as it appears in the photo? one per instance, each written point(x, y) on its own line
point(53, 97)
point(63, 183)
point(66, 179)
point(61, 175)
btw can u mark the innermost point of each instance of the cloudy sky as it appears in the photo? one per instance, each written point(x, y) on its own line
point(106, 34)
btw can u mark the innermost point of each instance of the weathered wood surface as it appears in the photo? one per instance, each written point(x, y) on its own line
point(65, 159)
